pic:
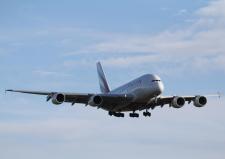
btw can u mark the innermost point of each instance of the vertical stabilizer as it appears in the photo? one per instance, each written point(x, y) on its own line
point(102, 80)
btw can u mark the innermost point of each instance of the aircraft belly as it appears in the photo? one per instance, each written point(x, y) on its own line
point(142, 96)
point(115, 106)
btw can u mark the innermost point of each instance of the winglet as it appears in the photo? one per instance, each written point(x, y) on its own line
point(102, 80)
point(219, 94)
point(7, 90)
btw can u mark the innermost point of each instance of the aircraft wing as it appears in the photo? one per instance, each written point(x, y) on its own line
point(69, 97)
point(29, 92)
point(84, 98)
point(164, 100)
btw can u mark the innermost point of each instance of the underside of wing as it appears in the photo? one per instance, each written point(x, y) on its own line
point(77, 98)
point(104, 101)
point(177, 101)
point(59, 97)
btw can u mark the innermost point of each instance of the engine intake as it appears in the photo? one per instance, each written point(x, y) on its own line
point(58, 99)
point(95, 100)
point(178, 102)
point(200, 101)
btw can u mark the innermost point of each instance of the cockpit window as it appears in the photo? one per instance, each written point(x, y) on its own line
point(156, 80)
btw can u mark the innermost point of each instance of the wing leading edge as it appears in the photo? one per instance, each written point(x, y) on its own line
point(105, 101)
point(69, 97)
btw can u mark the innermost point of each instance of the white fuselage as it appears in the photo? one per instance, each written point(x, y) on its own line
point(143, 88)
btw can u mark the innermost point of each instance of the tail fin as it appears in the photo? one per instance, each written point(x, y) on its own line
point(102, 80)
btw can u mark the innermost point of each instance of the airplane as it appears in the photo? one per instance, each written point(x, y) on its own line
point(140, 94)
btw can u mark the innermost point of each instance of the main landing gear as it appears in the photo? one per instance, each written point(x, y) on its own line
point(136, 115)
point(147, 114)
point(116, 114)
point(132, 115)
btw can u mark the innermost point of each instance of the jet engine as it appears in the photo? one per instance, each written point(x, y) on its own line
point(178, 102)
point(95, 100)
point(200, 101)
point(58, 98)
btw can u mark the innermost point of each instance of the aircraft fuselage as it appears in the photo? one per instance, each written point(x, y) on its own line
point(143, 89)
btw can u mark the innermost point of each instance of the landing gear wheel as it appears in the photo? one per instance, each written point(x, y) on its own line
point(147, 114)
point(144, 114)
point(110, 113)
point(134, 115)
point(122, 115)
point(116, 114)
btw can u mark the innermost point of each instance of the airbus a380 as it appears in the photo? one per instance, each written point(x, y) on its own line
point(143, 93)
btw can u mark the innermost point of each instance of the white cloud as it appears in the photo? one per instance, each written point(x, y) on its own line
point(168, 129)
point(201, 43)
point(52, 128)
point(214, 9)
point(182, 12)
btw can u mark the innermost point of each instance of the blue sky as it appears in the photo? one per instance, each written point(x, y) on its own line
point(53, 45)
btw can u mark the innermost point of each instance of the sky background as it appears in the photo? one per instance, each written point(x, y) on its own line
point(54, 46)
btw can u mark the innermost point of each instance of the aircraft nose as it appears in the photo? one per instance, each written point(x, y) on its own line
point(160, 87)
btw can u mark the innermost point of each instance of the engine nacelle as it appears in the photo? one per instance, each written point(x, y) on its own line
point(58, 99)
point(200, 101)
point(95, 100)
point(178, 102)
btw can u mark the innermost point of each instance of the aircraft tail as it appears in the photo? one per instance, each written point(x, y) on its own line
point(102, 80)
